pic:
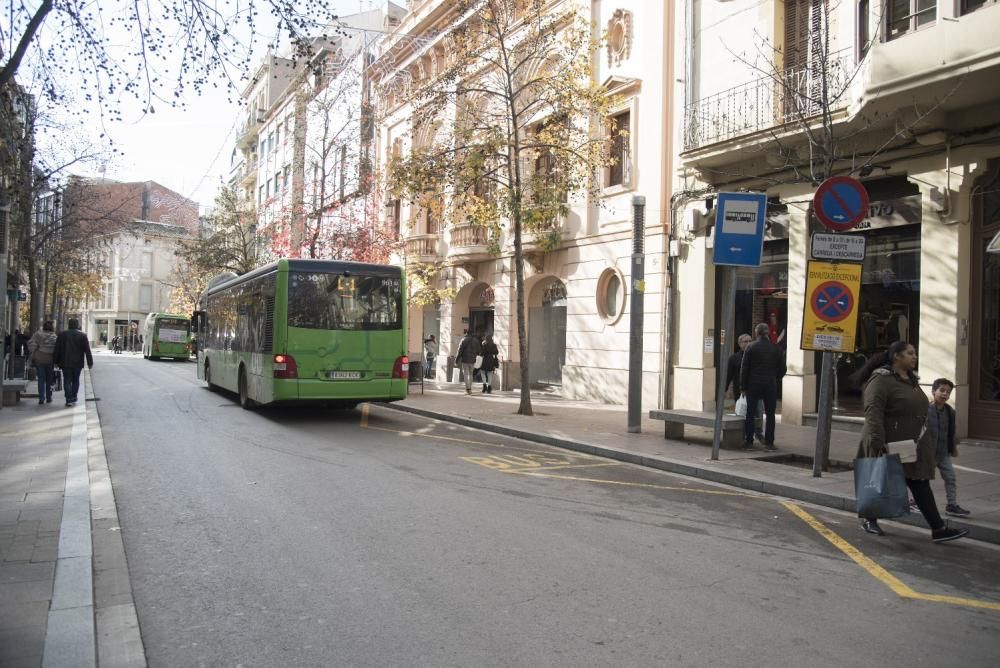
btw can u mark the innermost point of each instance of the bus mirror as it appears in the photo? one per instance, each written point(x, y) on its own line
point(198, 321)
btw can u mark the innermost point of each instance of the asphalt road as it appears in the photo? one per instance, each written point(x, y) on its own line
point(305, 537)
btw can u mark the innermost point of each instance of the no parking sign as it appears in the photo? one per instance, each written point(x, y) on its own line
point(830, 318)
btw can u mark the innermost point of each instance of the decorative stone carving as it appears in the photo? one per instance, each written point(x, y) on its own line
point(619, 37)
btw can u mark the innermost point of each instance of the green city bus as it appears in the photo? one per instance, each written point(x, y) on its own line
point(305, 331)
point(166, 335)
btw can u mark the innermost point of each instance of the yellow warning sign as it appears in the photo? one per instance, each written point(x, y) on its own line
point(830, 318)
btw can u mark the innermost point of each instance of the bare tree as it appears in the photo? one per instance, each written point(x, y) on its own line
point(174, 45)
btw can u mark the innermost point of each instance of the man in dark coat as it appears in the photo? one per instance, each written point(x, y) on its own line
point(72, 347)
point(762, 367)
point(733, 379)
point(468, 350)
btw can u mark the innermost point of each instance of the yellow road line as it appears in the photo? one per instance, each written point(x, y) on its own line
point(624, 483)
point(560, 466)
point(885, 577)
point(879, 573)
point(365, 425)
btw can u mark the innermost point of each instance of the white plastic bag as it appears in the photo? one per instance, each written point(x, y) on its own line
point(478, 363)
point(741, 406)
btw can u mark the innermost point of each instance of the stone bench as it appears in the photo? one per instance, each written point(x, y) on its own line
point(675, 419)
point(12, 389)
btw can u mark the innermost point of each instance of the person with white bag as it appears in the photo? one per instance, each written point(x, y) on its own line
point(733, 379)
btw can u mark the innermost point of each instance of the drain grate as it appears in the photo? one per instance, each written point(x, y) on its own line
point(804, 462)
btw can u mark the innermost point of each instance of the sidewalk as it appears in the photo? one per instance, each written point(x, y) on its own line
point(601, 429)
point(65, 597)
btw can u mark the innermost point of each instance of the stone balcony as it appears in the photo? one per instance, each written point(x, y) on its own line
point(423, 247)
point(469, 243)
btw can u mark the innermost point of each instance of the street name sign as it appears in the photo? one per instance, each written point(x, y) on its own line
point(739, 229)
point(840, 203)
point(830, 319)
point(838, 247)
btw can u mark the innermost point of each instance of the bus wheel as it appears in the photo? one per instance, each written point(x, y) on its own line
point(245, 400)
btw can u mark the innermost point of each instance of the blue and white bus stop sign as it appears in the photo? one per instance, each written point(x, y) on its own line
point(739, 229)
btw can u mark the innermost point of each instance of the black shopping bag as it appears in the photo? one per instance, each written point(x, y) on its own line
point(880, 487)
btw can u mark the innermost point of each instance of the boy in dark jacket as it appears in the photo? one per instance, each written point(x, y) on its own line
point(941, 425)
point(72, 347)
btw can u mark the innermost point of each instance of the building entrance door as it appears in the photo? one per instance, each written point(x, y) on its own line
point(984, 363)
point(547, 336)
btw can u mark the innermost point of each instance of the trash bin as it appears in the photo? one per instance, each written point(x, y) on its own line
point(416, 371)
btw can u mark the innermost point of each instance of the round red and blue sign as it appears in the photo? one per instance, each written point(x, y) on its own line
point(840, 203)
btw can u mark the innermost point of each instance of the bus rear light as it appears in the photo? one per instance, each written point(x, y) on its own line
point(401, 369)
point(285, 367)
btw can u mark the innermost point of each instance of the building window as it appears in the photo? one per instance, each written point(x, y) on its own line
point(972, 5)
point(620, 130)
point(270, 142)
point(260, 195)
point(610, 296)
point(903, 16)
point(146, 268)
point(145, 297)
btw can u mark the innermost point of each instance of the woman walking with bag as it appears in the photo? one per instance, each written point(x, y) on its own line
point(896, 410)
point(491, 355)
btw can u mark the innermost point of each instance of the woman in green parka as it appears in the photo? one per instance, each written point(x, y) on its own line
point(896, 410)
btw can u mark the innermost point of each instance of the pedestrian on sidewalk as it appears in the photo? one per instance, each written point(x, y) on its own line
point(733, 379)
point(491, 360)
point(72, 347)
point(430, 355)
point(762, 367)
point(42, 348)
point(468, 350)
point(941, 425)
point(896, 410)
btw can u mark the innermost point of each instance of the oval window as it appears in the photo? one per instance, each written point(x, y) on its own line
point(611, 295)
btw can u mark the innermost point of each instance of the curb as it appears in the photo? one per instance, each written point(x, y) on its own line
point(982, 533)
point(119, 641)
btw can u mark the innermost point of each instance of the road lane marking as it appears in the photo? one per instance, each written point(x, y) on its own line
point(625, 483)
point(505, 464)
point(468, 441)
point(971, 470)
point(879, 573)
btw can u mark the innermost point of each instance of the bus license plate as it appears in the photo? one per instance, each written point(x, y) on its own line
point(343, 375)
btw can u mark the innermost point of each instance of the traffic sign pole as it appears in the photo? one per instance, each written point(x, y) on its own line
point(725, 341)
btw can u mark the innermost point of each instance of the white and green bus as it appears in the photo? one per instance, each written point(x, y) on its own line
point(305, 331)
point(166, 335)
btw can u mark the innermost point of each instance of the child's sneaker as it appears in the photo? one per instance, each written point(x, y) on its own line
point(956, 510)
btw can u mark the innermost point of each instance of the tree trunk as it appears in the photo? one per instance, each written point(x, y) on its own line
point(524, 408)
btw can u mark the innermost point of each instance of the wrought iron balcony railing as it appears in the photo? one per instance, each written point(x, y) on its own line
point(768, 102)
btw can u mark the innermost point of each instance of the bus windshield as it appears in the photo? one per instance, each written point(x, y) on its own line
point(344, 301)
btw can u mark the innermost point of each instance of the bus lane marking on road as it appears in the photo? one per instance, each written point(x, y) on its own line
point(885, 577)
point(875, 570)
point(468, 441)
point(530, 462)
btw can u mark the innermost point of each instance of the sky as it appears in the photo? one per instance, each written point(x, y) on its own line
point(189, 150)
